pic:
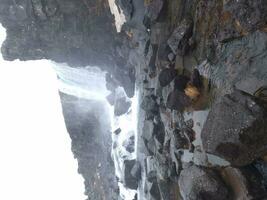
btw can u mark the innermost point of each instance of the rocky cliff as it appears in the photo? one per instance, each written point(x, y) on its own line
point(89, 129)
point(200, 69)
point(80, 33)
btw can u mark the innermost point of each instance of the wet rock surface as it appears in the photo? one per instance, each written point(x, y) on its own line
point(200, 183)
point(236, 129)
point(91, 145)
point(186, 58)
point(130, 181)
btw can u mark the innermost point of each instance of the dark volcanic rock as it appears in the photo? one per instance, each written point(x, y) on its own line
point(153, 9)
point(202, 184)
point(88, 127)
point(149, 104)
point(166, 76)
point(179, 40)
point(177, 101)
point(249, 14)
point(136, 170)
point(130, 181)
point(117, 131)
point(236, 129)
point(80, 33)
point(246, 182)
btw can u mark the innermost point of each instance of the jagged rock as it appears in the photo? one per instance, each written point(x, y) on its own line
point(249, 14)
point(152, 12)
point(87, 122)
point(236, 129)
point(179, 140)
point(177, 101)
point(117, 131)
point(242, 63)
point(126, 6)
point(67, 31)
point(150, 105)
point(198, 183)
point(148, 128)
point(246, 182)
point(121, 106)
point(166, 76)
point(151, 169)
point(159, 133)
point(129, 144)
point(130, 181)
point(136, 170)
point(179, 40)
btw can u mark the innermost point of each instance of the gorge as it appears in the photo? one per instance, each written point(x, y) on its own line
point(163, 99)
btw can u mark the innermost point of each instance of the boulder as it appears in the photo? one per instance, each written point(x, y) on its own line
point(150, 105)
point(129, 144)
point(147, 131)
point(179, 40)
point(130, 181)
point(236, 129)
point(198, 183)
point(177, 101)
point(246, 182)
point(151, 169)
point(117, 131)
point(166, 76)
point(121, 106)
point(137, 170)
point(159, 133)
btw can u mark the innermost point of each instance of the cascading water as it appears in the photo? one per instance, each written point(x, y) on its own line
point(90, 83)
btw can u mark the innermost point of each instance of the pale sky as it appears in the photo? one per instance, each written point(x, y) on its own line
point(35, 148)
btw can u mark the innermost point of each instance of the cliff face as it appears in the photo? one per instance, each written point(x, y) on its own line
point(77, 32)
point(186, 56)
point(89, 129)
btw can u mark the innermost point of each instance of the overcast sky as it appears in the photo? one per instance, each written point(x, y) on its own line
point(35, 149)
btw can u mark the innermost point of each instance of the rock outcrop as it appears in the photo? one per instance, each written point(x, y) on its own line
point(236, 129)
point(199, 183)
point(80, 33)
